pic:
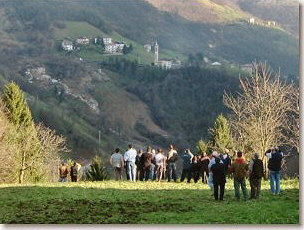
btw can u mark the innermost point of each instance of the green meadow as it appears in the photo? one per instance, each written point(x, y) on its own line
point(112, 202)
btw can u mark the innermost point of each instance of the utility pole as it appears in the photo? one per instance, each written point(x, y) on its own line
point(99, 135)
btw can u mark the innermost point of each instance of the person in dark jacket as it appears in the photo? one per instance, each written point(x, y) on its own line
point(138, 165)
point(74, 172)
point(195, 168)
point(204, 162)
point(274, 165)
point(187, 160)
point(145, 161)
point(226, 160)
point(219, 178)
point(256, 172)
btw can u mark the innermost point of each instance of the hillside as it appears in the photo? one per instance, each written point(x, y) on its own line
point(205, 11)
point(122, 96)
point(284, 12)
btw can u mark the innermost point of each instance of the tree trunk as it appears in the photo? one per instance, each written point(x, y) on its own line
point(22, 169)
point(266, 170)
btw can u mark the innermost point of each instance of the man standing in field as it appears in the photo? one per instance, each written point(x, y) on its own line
point(274, 165)
point(172, 158)
point(219, 178)
point(204, 162)
point(130, 157)
point(138, 164)
point(152, 166)
point(187, 160)
point(239, 169)
point(212, 162)
point(256, 172)
point(117, 163)
point(74, 172)
point(159, 163)
point(63, 172)
point(226, 160)
point(146, 160)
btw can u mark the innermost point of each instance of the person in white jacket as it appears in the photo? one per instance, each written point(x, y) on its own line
point(129, 158)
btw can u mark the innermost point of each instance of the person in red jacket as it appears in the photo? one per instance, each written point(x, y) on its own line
point(239, 168)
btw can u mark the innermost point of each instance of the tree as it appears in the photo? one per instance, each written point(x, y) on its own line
point(51, 148)
point(201, 147)
point(35, 150)
point(23, 134)
point(220, 134)
point(97, 171)
point(292, 136)
point(260, 112)
point(18, 111)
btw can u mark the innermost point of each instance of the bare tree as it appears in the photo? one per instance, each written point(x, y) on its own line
point(261, 111)
point(52, 146)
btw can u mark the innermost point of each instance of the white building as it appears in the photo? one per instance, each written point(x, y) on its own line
point(216, 63)
point(148, 47)
point(67, 45)
point(114, 48)
point(165, 64)
point(271, 23)
point(251, 20)
point(83, 41)
point(107, 41)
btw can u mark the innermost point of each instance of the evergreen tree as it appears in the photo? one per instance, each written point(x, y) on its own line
point(18, 111)
point(220, 134)
point(27, 155)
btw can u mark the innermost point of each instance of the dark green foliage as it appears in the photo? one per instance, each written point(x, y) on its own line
point(18, 111)
point(97, 171)
point(220, 134)
point(127, 49)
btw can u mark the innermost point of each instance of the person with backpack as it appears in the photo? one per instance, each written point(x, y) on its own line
point(159, 164)
point(146, 160)
point(256, 172)
point(239, 168)
point(187, 161)
point(117, 163)
point(63, 172)
point(219, 178)
point(274, 165)
point(171, 159)
point(129, 158)
point(74, 172)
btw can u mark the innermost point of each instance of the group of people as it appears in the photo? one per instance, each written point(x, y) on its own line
point(156, 165)
point(64, 170)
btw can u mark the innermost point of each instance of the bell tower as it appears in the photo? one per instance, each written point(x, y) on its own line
point(156, 52)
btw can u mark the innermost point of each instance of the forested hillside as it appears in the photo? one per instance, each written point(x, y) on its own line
point(135, 102)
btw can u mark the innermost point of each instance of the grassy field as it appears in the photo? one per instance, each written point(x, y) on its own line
point(113, 202)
